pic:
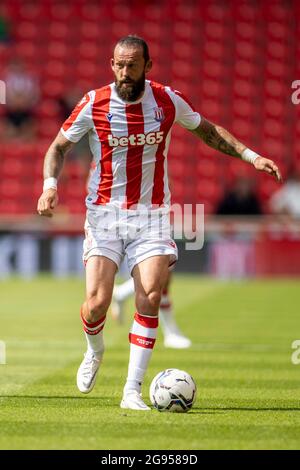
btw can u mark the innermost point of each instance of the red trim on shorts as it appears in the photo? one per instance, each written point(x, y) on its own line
point(146, 322)
point(142, 341)
point(173, 263)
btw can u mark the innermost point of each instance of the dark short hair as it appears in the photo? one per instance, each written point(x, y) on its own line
point(133, 40)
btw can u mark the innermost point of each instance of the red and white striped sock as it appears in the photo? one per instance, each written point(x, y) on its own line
point(142, 339)
point(94, 335)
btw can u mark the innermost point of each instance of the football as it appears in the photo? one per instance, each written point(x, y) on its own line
point(173, 390)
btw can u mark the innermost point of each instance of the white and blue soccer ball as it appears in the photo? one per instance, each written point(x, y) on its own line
point(173, 390)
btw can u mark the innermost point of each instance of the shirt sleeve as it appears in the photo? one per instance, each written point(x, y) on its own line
point(80, 120)
point(186, 115)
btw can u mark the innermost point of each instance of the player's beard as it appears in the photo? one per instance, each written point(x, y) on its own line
point(132, 92)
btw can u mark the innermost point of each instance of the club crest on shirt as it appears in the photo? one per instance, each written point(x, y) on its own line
point(159, 114)
point(109, 116)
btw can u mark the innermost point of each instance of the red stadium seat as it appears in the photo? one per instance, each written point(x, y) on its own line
point(92, 12)
point(212, 89)
point(10, 206)
point(208, 190)
point(57, 50)
point(245, 69)
point(245, 12)
point(53, 88)
point(213, 109)
point(26, 49)
point(247, 32)
point(244, 108)
point(76, 191)
point(176, 169)
point(90, 31)
point(48, 109)
point(26, 31)
point(182, 50)
point(57, 69)
point(275, 148)
point(61, 12)
point(75, 170)
point(88, 50)
point(31, 11)
point(267, 187)
point(76, 206)
point(11, 168)
point(209, 169)
point(11, 188)
point(276, 69)
point(215, 30)
point(59, 31)
point(47, 128)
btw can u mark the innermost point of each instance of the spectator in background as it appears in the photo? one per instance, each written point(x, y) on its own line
point(67, 101)
point(242, 200)
point(22, 97)
point(286, 201)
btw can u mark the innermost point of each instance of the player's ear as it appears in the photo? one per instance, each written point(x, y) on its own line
point(112, 64)
point(148, 66)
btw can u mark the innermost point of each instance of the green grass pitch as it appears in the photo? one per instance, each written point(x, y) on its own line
point(248, 388)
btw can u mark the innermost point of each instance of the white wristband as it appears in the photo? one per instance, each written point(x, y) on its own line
point(249, 156)
point(50, 183)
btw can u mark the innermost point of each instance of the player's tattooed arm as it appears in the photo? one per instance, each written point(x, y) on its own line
point(55, 156)
point(219, 138)
point(53, 164)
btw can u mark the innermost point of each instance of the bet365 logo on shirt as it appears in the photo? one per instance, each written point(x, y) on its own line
point(151, 138)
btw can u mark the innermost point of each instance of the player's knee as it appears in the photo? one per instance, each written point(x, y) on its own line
point(97, 307)
point(148, 302)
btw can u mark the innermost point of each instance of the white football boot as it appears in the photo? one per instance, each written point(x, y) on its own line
point(176, 341)
point(132, 400)
point(87, 372)
point(173, 337)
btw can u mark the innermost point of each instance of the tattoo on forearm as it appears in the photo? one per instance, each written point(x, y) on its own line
point(220, 139)
point(54, 159)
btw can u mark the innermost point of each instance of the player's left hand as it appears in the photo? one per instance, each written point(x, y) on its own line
point(263, 164)
point(47, 202)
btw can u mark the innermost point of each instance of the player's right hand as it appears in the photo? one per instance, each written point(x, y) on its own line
point(264, 164)
point(47, 202)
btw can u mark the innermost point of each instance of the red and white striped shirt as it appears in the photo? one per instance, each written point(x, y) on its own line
point(129, 143)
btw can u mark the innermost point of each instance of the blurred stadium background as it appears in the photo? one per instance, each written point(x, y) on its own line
point(235, 60)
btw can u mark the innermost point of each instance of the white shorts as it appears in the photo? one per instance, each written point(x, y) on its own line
point(116, 233)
